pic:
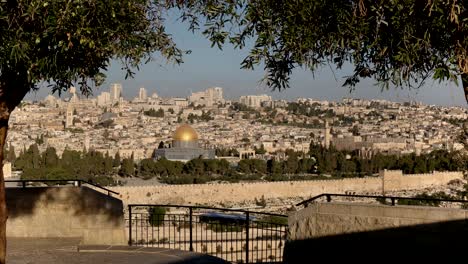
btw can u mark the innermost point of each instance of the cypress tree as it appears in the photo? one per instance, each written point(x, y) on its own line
point(116, 162)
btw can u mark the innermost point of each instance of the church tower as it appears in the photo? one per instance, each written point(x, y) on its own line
point(327, 136)
point(69, 116)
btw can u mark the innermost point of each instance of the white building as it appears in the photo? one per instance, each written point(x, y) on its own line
point(180, 102)
point(254, 100)
point(50, 101)
point(142, 94)
point(209, 97)
point(115, 92)
point(69, 116)
point(104, 99)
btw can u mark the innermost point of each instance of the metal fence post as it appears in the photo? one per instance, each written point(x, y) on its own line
point(191, 228)
point(328, 198)
point(130, 225)
point(393, 201)
point(247, 229)
point(24, 184)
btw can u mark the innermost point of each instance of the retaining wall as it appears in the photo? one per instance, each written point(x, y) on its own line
point(47, 212)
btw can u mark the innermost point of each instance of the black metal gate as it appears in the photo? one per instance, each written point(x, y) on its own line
point(237, 236)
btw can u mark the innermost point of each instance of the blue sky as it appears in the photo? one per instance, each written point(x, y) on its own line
point(206, 67)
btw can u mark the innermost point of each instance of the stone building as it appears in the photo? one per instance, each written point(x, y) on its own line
point(209, 97)
point(184, 146)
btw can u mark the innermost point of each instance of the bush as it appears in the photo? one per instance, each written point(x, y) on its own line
point(261, 202)
point(156, 215)
point(219, 249)
point(273, 220)
point(437, 195)
point(220, 227)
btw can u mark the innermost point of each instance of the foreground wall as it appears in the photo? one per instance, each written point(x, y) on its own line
point(361, 232)
point(328, 219)
point(240, 192)
point(65, 212)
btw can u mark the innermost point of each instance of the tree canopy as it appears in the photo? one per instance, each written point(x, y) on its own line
point(66, 42)
point(71, 42)
point(398, 42)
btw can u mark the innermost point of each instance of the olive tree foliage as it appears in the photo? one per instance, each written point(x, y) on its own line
point(395, 42)
point(69, 42)
point(61, 43)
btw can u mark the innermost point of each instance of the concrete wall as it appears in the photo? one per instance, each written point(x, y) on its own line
point(328, 219)
point(240, 192)
point(368, 232)
point(65, 212)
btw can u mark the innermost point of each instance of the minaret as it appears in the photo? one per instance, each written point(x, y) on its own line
point(86, 142)
point(327, 136)
point(69, 116)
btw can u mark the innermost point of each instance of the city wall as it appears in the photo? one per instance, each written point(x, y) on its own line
point(243, 192)
point(61, 212)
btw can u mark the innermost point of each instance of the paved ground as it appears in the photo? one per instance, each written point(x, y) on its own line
point(67, 251)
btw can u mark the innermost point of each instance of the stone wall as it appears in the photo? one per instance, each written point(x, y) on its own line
point(328, 219)
point(81, 212)
point(395, 180)
point(241, 192)
point(394, 233)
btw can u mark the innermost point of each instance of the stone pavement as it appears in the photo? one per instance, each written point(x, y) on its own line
point(68, 251)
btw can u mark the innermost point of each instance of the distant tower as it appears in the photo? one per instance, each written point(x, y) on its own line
point(115, 92)
point(72, 90)
point(74, 97)
point(86, 142)
point(142, 94)
point(69, 116)
point(327, 136)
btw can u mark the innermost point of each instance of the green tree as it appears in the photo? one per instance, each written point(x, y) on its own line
point(154, 113)
point(260, 150)
point(128, 168)
point(161, 145)
point(116, 162)
point(108, 163)
point(71, 42)
point(50, 158)
point(11, 157)
point(273, 167)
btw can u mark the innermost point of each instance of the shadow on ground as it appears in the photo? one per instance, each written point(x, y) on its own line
point(68, 251)
point(427, 242)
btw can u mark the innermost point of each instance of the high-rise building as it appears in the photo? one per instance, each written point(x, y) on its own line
point(254, 100)
point(103, 99)
point(115, 92)
point(142, 94)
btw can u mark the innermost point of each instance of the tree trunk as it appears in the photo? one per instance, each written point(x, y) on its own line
point(464, 77)
point(4, 117)
point(9, 99)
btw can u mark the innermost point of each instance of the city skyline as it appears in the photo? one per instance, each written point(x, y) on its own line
point(208, 67)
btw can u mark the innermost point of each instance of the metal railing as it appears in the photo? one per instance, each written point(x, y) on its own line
point(238, 236)
point(382, 199)
point(75, 182)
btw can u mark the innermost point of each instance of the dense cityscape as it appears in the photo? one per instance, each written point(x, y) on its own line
point(252, 138)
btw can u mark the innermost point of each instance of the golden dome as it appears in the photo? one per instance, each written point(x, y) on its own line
point(185, 133)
